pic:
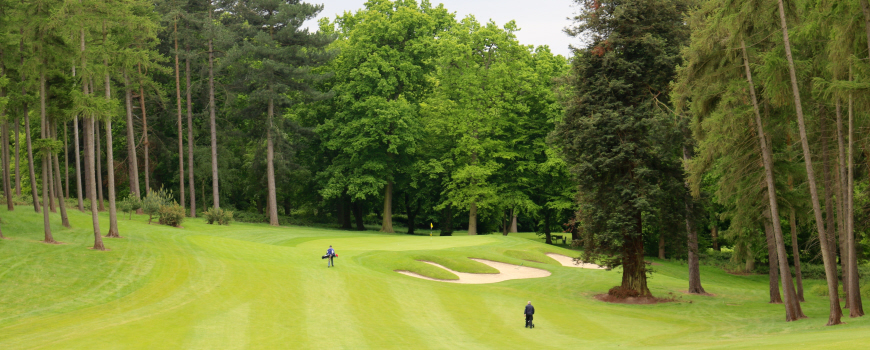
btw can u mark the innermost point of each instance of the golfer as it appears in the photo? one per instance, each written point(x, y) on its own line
point(530, 311)
point(330, 253)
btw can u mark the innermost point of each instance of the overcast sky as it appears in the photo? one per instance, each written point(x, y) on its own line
point(540, 21)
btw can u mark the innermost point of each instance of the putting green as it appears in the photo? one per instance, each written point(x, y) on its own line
point(260, 287)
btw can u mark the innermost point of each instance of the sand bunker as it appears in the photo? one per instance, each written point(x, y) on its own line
point(569, 261)
point(506, 272)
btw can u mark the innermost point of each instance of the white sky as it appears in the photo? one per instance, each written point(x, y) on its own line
point(541, 21)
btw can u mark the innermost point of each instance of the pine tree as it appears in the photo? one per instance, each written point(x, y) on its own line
point(620, 146)
point(274, 61)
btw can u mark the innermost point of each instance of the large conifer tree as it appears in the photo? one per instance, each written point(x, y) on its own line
point(624, 151)
point(274, 62)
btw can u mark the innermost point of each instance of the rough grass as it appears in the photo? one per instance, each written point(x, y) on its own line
point(260, 287)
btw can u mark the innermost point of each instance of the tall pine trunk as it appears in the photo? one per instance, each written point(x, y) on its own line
point(856, 305)
point(64, 218)
point(792, 306)
point(841, 202)
point(66, 160)
point(145, 144)
point(270, 166)
point(7, 180)
point(110, 159)
point(180, 123)
point(79, 191)
point(772, 257)
point(17, 157)
point(99, 157)
point(30, 159)
point(46, 178)
point(830, 265)
point(132, 161)
point(797, 256)
point(211, 115)
point(89, 152)
point(387, 223)
point(692, 233)
point(191, 183)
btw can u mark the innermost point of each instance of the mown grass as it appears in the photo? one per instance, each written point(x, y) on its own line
point(260, 287)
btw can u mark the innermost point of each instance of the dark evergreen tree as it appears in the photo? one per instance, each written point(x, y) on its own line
point(272, 65)
point(622, 148)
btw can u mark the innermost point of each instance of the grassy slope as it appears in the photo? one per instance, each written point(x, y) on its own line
point(254, 286)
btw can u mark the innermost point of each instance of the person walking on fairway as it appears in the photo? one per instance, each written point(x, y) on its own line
point(530, 311)
point(330, 253)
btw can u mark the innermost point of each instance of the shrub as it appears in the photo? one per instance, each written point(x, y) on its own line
point(171, 214)
point(154, 201)
point(220, 216)
point(130, 204)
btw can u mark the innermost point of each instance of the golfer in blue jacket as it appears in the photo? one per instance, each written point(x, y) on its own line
point(330, 253)
point(530, 311)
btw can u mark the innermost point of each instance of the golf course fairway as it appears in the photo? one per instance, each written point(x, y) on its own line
point(248, 286)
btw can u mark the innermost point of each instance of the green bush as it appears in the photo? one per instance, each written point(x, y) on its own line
point(171, 214)
point(220, 216)
point(154, 201)
point(130, 204)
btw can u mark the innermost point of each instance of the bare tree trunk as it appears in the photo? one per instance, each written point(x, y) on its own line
point(191, 184)
point(856, 305)
point(132, 162)
point(270, 168)
point(53, 161)
point(472, 219)
point(828, 189)
point(694, 263)
point(66, 159)
point(792, 306)
point(110, 161)
point(98, 155)
point(841, 202)
point(78, 164)
point(30, 158)
point(17, 157)
point(180, 123)
point(89, 152)
point(145, 144)
point(830, 265)
point(797, 256)
point(211, 112)
point(46, 179)
point(7, 180)
point(387, 223)
point(772, 258)
point(514, 228)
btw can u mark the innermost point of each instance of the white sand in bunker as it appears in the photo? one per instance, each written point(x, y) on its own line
point(569, 261)
point(506, 272)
